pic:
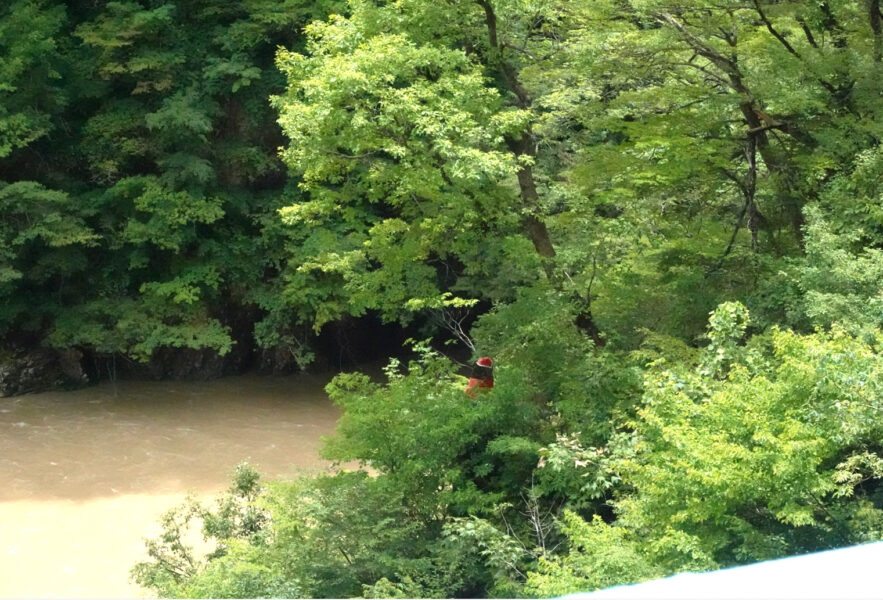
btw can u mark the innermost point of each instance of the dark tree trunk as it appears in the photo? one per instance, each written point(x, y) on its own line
point(533, 226)
point(874, 17)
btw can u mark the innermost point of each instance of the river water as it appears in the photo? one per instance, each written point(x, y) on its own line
point(85, 474)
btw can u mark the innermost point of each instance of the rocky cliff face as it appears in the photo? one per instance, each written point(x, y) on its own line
point(34, 370)
point(24, 371)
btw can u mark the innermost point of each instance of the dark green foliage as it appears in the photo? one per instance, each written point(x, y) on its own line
point(43, 238)
point(329, 536)
point(439, 445)
point(555, 364)
point(149, 131)
point(31, 93)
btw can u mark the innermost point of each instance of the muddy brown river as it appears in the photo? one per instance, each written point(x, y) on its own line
point(85, 474)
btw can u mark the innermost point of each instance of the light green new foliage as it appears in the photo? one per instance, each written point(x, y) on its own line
point(572, 186)
point(600, 556)
point(236, 518)
point(771, 453)
point(555, 363)
point(852, 200)
point(726, 328)
point(400, 145)
point(327, 536)
point(841, 285)
point(747, 466)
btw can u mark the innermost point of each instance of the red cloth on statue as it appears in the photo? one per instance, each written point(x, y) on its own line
point(474, 384)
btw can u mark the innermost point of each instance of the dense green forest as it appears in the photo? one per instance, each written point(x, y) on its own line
point(663, 220)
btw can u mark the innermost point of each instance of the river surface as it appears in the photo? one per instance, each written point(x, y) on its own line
point(85, 474)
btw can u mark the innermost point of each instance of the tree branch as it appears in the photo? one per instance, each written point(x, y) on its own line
point(773, 31)
point(452, 323)
point(711, 75)
point(808, 33)
point(698, 46)
point(739, 220)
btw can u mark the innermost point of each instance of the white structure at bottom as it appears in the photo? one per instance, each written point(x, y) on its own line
point(853, 573)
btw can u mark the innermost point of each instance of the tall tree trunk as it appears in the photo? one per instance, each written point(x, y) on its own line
point(532, 224)
point(754, 216)
point(777, 164)
point(875, 17)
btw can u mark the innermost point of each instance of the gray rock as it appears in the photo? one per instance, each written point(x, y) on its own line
point(39, 369)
